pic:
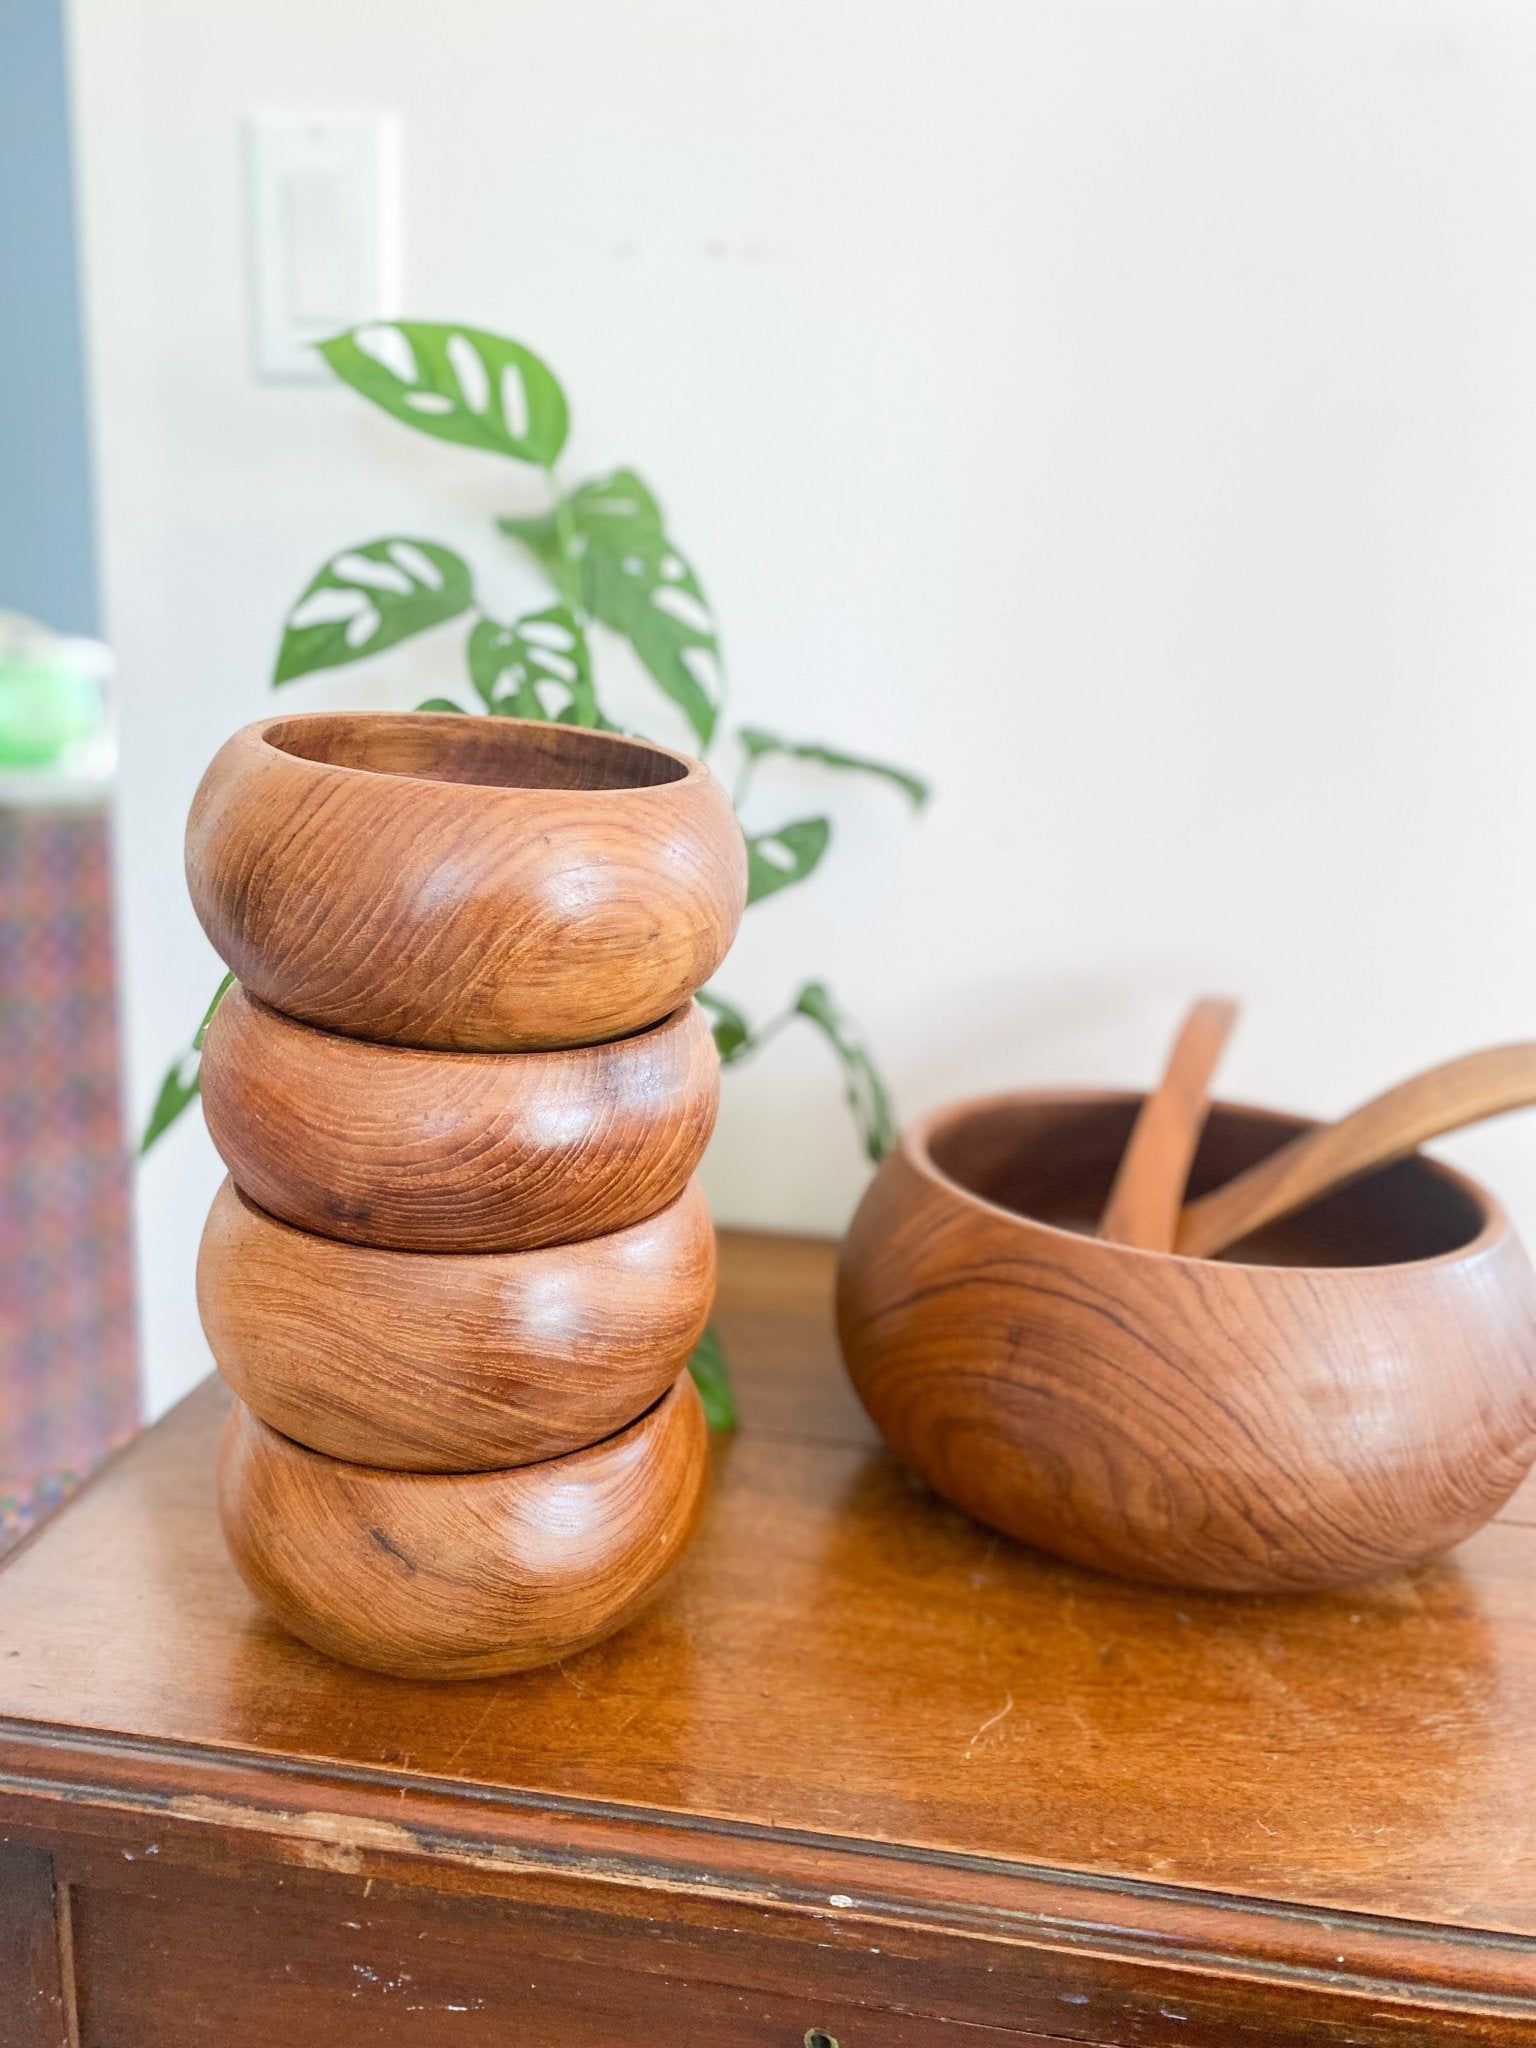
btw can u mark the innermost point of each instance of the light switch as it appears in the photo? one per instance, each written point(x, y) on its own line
point(325, 232)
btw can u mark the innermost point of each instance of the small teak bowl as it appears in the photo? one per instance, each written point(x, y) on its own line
point(428, 1575)
point(452, 1362)
point(1340, 1396)
point(456, 1151)
point(479, 883)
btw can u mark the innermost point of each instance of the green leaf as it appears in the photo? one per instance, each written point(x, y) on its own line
point(541, 667)
point(867, 1097)
point(540, 534)
point(177, 1092)
point(438, 704)
point(180, 1086)
point(219, 994)
point(756, 744)
point(732, 1032)
point(712, 1377)
point(367, 598)
point(777, 860)
point(637, 583)
point(458, 383)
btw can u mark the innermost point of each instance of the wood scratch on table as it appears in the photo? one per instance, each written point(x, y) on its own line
point(486, 1711)
point(324, 1841)
point(990, 1723)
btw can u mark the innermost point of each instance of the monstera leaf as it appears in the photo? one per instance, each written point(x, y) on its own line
point(777, 860)
point(732, 1032)
point(540, 534)
point(369, 598)
point(608, 539)
point(713, 1380)
point(868, 1103)
point(180, 1087)
point(757, 745)
point(458, 383)
point(538, 668)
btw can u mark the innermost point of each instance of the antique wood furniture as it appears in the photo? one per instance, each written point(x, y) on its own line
point(1148, 1189)
point(866, 1773)
point(463, 1574)
point(456, 1151)
point(1364, 1398)
point(452, 1362)
point(1446, 1098)
point(365, 871)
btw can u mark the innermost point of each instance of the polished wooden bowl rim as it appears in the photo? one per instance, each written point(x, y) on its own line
point(489, 1478)
point(915, 1142)
point(564, 1248)
point(510, 732)
point(675, 1020)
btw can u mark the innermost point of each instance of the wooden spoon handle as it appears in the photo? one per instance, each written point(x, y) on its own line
point(1143, 1206)
point(1445, 1099)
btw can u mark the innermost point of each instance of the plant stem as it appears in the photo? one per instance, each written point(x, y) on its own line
point(756, 1040)
point(565, 527)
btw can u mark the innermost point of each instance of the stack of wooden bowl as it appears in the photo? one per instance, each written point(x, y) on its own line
point(461, 1087)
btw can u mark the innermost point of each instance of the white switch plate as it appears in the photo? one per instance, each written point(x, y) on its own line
point(324, 229)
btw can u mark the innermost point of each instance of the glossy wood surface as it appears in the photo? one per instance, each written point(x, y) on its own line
point(431, 1575)
point(472, 883)
point(1148, 1189)
point(456, 1152)
point(864, 1765)
point(1364, 1401)
point(442, 1362)
point(1390, 1126)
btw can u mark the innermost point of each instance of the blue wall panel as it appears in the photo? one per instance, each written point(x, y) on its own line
point(47, 564)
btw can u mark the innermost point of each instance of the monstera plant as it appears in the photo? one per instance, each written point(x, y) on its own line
point(612, 568)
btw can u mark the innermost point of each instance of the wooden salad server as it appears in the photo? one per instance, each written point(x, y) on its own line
point(1144, 1203)
point(1446, 1098)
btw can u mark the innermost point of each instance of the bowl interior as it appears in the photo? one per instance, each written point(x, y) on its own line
point(1053, 1158)
point(499, 752)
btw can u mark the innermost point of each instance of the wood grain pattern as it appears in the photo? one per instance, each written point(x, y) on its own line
point(476, 883)
point(35, 2002)
point(1148, 1191)
point(407, 1950)
point(1390, 1126)
point(1363, 1402)
point(455, 1151)
point(442, 1362)
point(865, 1765)
point(430, 1576)
point(376, 1973)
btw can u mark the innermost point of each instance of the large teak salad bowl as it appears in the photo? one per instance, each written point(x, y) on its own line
point(1340, 1396)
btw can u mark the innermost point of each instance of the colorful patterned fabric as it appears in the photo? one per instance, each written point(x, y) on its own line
point(68, 1387)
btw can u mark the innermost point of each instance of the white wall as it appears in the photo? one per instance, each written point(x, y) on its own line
point(1124, 410)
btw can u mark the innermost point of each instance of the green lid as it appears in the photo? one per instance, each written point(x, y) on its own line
point(50, 694)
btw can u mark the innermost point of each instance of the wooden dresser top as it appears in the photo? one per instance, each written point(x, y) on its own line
point(850, 1688)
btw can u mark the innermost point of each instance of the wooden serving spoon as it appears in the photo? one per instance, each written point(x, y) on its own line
point(1143, 1206)
point(1447, 1098)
